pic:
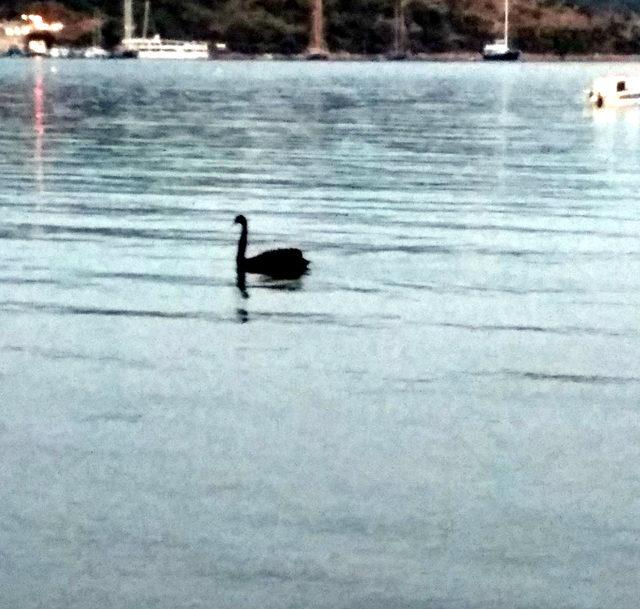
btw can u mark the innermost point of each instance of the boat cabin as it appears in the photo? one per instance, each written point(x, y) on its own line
point(499, 46)
point(157, 48)
point(500, 50)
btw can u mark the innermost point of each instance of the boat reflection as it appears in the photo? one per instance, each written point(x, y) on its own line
point(615, 132)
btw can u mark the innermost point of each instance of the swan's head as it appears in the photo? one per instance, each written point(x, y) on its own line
point(240, 220)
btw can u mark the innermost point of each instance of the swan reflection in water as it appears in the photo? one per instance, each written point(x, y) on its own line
point(241, 282)
point(283, 285)
point(267, 283)
point(243, 315)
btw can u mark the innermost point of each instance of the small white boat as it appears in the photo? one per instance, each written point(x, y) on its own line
point(614, 91)
point(499, 51)
point(95, 52)
point(59, 52)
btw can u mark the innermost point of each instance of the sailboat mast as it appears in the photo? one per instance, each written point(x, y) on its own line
point(399, 29)
point(96, 35)
point(145, 23)
point(396, 29)
point(506, 22)
point(317, 43)
point(128, 20)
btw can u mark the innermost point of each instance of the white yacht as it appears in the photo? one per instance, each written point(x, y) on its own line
point(614, 91)
point(500, 50)
point(154, 47)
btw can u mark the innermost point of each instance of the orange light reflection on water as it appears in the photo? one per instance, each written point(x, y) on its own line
point(38, 124)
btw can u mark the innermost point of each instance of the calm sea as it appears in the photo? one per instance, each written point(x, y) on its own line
point(444, 414)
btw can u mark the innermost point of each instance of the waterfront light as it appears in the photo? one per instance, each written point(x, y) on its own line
point(38, 24)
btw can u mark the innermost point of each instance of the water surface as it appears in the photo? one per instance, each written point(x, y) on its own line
point(442, 414)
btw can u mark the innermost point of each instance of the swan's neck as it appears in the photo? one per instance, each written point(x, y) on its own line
point(242, 245)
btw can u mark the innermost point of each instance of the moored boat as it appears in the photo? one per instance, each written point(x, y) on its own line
point(500, 49)
point(155, 47)
point(614, 91)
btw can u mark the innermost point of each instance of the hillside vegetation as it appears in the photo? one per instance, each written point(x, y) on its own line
point(362, 26)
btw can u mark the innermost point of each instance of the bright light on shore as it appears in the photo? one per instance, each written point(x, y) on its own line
point(32, 23)
point(38, 24)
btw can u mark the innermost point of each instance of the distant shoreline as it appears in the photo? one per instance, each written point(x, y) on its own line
point(466, 56)
point(457, 56)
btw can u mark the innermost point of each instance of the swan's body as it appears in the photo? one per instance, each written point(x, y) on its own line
point(286, 263)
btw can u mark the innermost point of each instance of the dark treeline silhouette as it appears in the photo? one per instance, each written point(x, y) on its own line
point(368, 26)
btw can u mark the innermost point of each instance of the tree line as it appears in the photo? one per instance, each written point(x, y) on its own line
point(367, 26)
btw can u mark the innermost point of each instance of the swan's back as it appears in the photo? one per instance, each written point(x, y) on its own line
point(281, 263)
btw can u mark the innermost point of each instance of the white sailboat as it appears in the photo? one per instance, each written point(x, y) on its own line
point(155, 47)
point(499, 50)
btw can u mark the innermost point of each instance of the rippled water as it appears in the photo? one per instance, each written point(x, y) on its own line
point(442, 414)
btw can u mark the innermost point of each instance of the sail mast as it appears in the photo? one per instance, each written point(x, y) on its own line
point(506, 22)
point(396, 26)
point(317, 43)
point(145, 23)
point(96, 35)
point(128, 20)
point(399, 29)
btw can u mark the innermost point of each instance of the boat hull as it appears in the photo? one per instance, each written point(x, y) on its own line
point(123, 54)
point(614, 91)
point(397, 56)
point(160, 54)
point(614, 101)
point(506, 56)
point(317, 54)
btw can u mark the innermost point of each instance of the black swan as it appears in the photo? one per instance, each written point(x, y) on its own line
point(278, 264)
